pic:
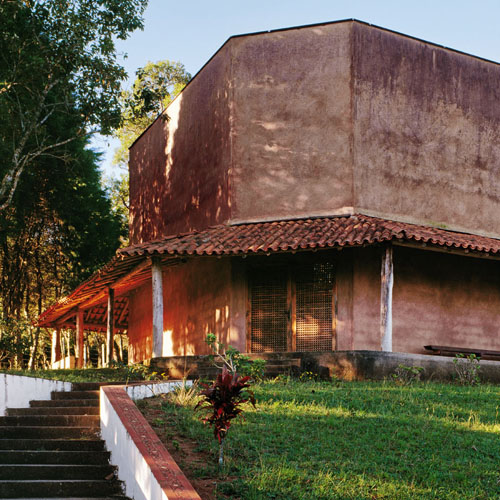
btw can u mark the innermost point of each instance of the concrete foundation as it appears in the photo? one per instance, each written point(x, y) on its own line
point(346, 365)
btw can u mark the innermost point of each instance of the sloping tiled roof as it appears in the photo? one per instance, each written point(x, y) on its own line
point(307, 234)
point(264, 238)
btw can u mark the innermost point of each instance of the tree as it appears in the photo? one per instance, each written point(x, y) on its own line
point(57, 57)
point(155, 86)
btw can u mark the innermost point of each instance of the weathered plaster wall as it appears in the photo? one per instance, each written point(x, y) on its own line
point(236, 334)
point(179, 168)
point(196, 302)
point(323, 120)
point(438, 298)
point(197, 299)
point(445, 300)
point(140, 324)
point(344, 280)
point(366, 298)
point(426, 132)
point(292, 139)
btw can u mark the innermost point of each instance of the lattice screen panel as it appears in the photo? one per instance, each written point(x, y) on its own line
point(314, 295)
point(269, 313)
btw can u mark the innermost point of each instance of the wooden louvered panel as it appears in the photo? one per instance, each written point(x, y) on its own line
point(314, 316)
point(269, 310)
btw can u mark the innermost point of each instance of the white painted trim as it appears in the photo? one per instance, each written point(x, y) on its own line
point(157, 286)
point(386, 285)
point(17, 390)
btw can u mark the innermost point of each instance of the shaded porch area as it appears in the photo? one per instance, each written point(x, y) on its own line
point(318, 285)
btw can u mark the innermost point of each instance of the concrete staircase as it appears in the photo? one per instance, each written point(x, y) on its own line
point(52, 450)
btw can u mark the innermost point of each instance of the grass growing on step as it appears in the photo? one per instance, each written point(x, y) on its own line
point(76, 375)
point(355, 440)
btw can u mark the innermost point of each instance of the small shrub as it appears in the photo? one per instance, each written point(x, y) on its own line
point(281, 378)
point(234, 361)
point(137, 372)
point(407, 375)
point(184, 395)
point(467, 369)
point(223, 400)
point(251, 368)
point(308, 376)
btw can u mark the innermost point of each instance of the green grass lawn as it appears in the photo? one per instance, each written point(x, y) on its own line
point(355, 440)
point(76, 375)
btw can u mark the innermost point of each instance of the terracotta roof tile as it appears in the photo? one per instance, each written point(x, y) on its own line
point(269, 237)
point(265, 237)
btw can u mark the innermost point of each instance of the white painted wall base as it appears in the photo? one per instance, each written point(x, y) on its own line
point(16, 391)
point(144, 390)
point(133, 468)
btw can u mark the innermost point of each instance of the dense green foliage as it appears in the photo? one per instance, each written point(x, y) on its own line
point(57, 58)
point(355, 440)
point(155, 86)
point(59, 81)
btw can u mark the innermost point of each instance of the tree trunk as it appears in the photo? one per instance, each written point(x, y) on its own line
point(221, 453)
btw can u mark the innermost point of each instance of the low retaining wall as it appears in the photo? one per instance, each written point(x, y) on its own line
point(143, 390)
point(348, 365)
point(17, 390)
point(377, 365)
point(144, 464)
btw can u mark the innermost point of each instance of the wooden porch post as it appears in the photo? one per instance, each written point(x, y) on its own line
point(157, 286)
point(386, 282)
point(56, 346)
point(79, 339)
point(110, 327)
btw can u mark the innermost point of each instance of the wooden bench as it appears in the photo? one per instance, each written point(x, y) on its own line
point(448, 350)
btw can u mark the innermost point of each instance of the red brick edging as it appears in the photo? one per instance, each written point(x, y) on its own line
point(172, 480)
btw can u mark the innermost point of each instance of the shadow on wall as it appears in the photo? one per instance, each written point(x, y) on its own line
point(188, 338)
point(179, 167)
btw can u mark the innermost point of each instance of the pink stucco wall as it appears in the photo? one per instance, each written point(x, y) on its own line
point(140, 324)
point(198, 299)
point(426, 133)
point(292, 134)
point(445, 300)
point(329, 119)
point(179, 168)
point(438, 298)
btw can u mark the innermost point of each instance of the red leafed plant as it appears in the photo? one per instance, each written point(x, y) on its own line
point(223, 399)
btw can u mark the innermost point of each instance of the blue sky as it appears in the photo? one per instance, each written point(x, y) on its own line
point(190, 31)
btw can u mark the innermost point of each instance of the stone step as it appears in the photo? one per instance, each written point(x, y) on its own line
point(283, 362)
point(30, 471)
point(283, 368)
point(54, 457)
point(92, 386)
point(52, 444)
point(51, 420)
point(59, 488)
point(64, 403)
point(54, 410)
point(75, 395)
point(46, 432)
